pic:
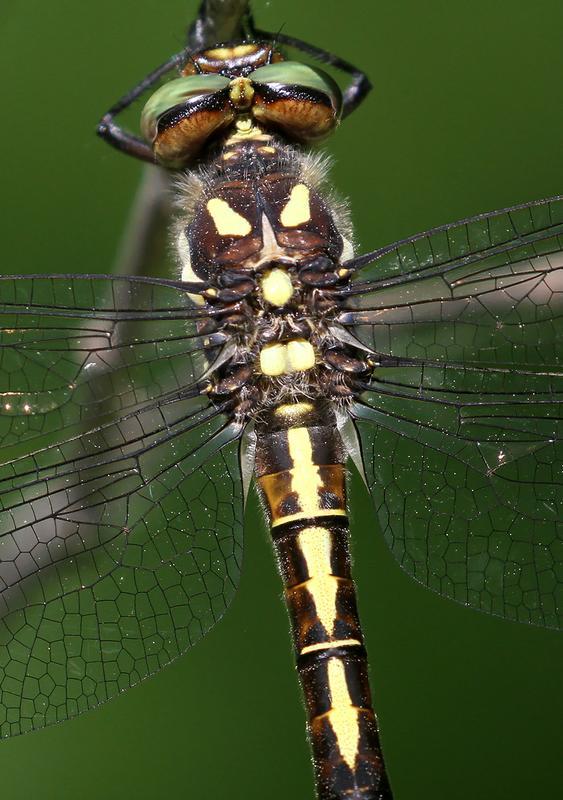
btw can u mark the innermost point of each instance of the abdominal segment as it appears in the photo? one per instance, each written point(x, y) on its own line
point(301, 475)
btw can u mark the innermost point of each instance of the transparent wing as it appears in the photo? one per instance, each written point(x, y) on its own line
point(72, 346)
point(486, 291)
point(461, 423)
point(120, 534)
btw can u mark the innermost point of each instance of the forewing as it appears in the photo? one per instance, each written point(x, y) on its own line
point(73, 347)
point(120, 534)
point(486, 291)
point(460, 423)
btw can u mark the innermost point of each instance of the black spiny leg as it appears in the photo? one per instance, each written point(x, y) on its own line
point(360, 85)
point(122, 139)
point(216, 18)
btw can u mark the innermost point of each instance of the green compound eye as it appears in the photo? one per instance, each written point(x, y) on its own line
point(175, 93)
point(303, 102)
point(300, 76)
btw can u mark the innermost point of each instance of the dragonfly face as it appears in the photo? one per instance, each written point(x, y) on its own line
point(245, 83)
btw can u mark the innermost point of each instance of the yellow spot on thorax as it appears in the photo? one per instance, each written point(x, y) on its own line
point(343, 716)
point(277, 287)
point(273, 360)
point(188, 275)
point(283, 359)
point(227, 221)
point(300, 355)
point(297, 209)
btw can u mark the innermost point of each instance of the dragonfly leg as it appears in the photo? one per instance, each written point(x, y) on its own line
point(216, 21)
point(360, 85)
point(117, 136)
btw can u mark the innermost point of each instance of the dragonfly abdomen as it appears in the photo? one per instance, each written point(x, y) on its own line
point(301, 474)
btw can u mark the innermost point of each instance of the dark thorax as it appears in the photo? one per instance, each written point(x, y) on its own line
point(257, 228)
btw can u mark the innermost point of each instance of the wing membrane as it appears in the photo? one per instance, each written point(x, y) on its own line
point(461, 424)
point(436, 297)
point(119, 550)
point(74, 346)
point(120, 491)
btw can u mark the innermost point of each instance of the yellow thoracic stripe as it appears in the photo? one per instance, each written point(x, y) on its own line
point(227, 221)
point(297, 210)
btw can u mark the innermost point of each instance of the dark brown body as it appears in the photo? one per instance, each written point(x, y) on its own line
point(266, 240)
point(301, 474)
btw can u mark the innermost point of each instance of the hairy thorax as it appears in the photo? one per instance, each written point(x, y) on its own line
point(267, 243)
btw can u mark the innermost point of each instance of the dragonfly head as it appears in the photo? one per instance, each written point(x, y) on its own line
point(218, 85)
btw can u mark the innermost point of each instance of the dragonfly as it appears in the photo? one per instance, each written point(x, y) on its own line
point(388, 367)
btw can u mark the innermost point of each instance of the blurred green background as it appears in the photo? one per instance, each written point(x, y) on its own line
point(466, 116)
